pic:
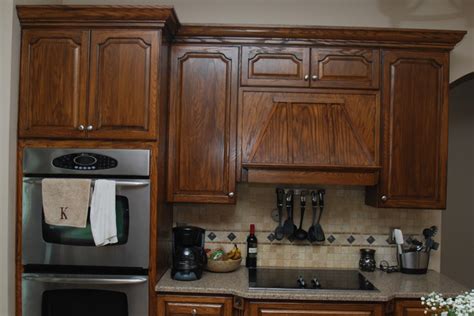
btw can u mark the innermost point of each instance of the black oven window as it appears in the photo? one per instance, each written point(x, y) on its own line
point(84, 302)
point(83, 236)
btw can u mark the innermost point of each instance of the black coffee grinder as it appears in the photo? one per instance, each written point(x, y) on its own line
point(189, 256)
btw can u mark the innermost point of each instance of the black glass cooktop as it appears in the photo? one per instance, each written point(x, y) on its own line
point(298, 279)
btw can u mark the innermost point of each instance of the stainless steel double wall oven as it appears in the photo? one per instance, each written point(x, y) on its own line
point(64, 272)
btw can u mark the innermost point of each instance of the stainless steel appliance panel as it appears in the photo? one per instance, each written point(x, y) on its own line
point(133, 162)
point(35, 284)
point(134, 253)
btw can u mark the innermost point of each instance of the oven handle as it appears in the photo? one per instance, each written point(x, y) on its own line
point(85, 279)
point(120, 183)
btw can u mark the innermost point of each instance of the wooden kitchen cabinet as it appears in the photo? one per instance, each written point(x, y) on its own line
point(170, 305)
point(53, 83)
point(123, 84)
point(409, 308)
point(326, 137)
point(202, 131)
point(111, 95)
point(415, 131)
point(314, 309)
point(355, 68)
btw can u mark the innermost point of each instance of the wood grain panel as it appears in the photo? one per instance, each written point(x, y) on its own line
point(275, 66)
point(124, 84)
point(345, 68)
point(314, 309)
point(415, 130)
point(409, 308)
point(203, 124)
point(53, 83)
point(194, 305)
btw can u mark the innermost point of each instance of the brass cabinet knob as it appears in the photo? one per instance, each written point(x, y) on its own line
point(80, 127)
point(314, 77)
point(231, 194)
point(90, 127)
point(194, 312)
point(306, 77)
point(384, 198)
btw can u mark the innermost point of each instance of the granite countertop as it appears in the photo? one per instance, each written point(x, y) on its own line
point(390, 286)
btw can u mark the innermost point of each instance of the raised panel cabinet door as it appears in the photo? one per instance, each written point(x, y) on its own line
point(123, 84)
point(314, 309)
point(415, 129)
point(275, 66)
point(202, 133)
point(53, 83)
point(194, 306)
point(409, 308)
point(356, 68)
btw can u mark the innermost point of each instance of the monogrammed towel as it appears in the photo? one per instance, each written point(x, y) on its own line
point(66, 201)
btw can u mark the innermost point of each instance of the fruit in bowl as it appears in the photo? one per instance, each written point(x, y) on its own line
point(220, 261)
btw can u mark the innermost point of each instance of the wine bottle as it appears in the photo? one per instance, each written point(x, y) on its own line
point(251, 260)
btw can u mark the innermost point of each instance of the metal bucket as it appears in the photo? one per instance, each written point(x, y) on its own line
point(414, 262)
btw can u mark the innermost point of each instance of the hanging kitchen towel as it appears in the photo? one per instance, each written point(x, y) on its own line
point(66, 201)
point(103, 218)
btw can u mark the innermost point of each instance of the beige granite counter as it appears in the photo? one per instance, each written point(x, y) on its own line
point(390, 286)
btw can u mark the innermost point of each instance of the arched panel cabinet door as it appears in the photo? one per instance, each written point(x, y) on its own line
point(202, 131)
point(53, 83)
point(123, 84)
point(415, 131)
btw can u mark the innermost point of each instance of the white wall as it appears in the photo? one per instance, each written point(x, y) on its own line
point(438, 14)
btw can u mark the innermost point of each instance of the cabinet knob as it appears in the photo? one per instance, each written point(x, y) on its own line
point(80, 127)
point(306, 77)
point(384, 198)
point(314, 77)
point(231, 194)
point(194, 312)
point(90, 127)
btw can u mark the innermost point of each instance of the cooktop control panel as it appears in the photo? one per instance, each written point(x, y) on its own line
point(85, 161)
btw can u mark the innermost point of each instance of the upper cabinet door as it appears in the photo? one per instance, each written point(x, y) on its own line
point(53, 85)
point(275, 66)
point(345, 68)
point(123, 84)
point(415, 129)
point(203, 105)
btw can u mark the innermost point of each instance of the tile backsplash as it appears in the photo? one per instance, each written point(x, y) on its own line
point(348, 224)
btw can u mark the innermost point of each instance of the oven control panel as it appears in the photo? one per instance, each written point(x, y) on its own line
point(85, 161)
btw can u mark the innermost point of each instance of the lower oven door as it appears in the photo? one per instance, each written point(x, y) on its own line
point(79, 295)
point(60, 245)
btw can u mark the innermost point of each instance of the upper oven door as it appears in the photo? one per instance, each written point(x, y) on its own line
point(91, 295)
point(59, 245)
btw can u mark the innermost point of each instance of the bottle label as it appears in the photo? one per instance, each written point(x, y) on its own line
point(252, 250)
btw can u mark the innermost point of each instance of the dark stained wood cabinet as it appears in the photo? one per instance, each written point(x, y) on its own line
point(415, 131)
point(355, 68)
point(123, 84)
point(409, 308)
point(314, 309)
point(111, 95)
point(325, 131)
point(202, 132)
point(170, 305)
point(53, 83)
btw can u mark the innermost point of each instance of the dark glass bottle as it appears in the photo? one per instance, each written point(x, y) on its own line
point(251, 260)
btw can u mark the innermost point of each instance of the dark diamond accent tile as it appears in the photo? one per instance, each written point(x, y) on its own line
point(351, 239)
point(231, 236)
point(331, 239)
point(291, 238)
point(388, 240)
point(271, 237)
point(211, 236)
point(371, 240)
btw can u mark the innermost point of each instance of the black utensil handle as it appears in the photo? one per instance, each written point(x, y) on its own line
point(302, 216)
point(280, 196)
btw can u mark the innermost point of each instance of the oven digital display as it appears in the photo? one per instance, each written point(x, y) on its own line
point(85, 162)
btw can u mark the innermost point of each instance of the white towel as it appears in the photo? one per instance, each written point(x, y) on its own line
point(102, 213)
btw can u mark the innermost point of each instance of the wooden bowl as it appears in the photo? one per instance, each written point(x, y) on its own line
point(223, 266)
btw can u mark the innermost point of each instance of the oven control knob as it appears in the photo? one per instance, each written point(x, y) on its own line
point(316, 283)
point(301, 282)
